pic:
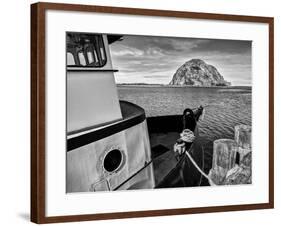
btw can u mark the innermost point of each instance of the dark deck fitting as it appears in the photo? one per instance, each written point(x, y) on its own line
point(163, 132)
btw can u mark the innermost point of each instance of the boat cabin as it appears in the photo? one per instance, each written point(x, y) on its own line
point(107, 141)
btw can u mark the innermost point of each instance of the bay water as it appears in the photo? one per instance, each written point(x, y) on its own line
point(224, 107)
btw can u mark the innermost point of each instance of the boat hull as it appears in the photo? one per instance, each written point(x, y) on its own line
point(87, 170)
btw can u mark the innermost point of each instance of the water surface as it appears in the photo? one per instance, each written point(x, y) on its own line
point(225, 108)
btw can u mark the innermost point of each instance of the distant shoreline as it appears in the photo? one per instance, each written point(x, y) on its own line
point(177, 86)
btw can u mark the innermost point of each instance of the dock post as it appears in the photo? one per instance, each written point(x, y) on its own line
point(243, 138)
point(224, 156)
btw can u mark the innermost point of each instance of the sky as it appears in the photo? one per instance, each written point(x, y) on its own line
point(154, 60)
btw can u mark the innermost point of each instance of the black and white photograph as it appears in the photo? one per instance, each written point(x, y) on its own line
point(151, 112)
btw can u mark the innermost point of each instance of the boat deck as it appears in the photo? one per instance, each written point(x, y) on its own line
point(162, 153)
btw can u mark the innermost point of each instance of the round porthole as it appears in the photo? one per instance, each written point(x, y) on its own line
point(112, 160)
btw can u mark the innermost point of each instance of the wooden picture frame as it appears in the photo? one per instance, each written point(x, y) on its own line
point(38, 111)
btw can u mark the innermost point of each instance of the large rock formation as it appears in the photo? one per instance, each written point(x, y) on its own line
point(197, 73)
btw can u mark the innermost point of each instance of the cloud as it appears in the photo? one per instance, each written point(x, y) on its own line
point(123, 50)
point(225, 46)
point(155, 59)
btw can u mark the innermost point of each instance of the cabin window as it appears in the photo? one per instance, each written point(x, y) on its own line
point(90, 57)
point(85, 50)
point(70, 59)
point(95, 54)
point(102, 53)
point(82, 59)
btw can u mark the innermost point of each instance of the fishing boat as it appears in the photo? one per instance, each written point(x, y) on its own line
point(111, 144)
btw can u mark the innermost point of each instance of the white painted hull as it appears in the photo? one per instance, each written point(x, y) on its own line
point(85, 169)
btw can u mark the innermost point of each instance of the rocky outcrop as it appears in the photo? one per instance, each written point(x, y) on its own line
point(197, 73)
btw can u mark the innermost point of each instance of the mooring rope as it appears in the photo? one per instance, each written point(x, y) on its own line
point(179, 147)
point(203, 165)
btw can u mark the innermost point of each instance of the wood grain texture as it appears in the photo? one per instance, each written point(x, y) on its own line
point(271, 112)
point(38, 111)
